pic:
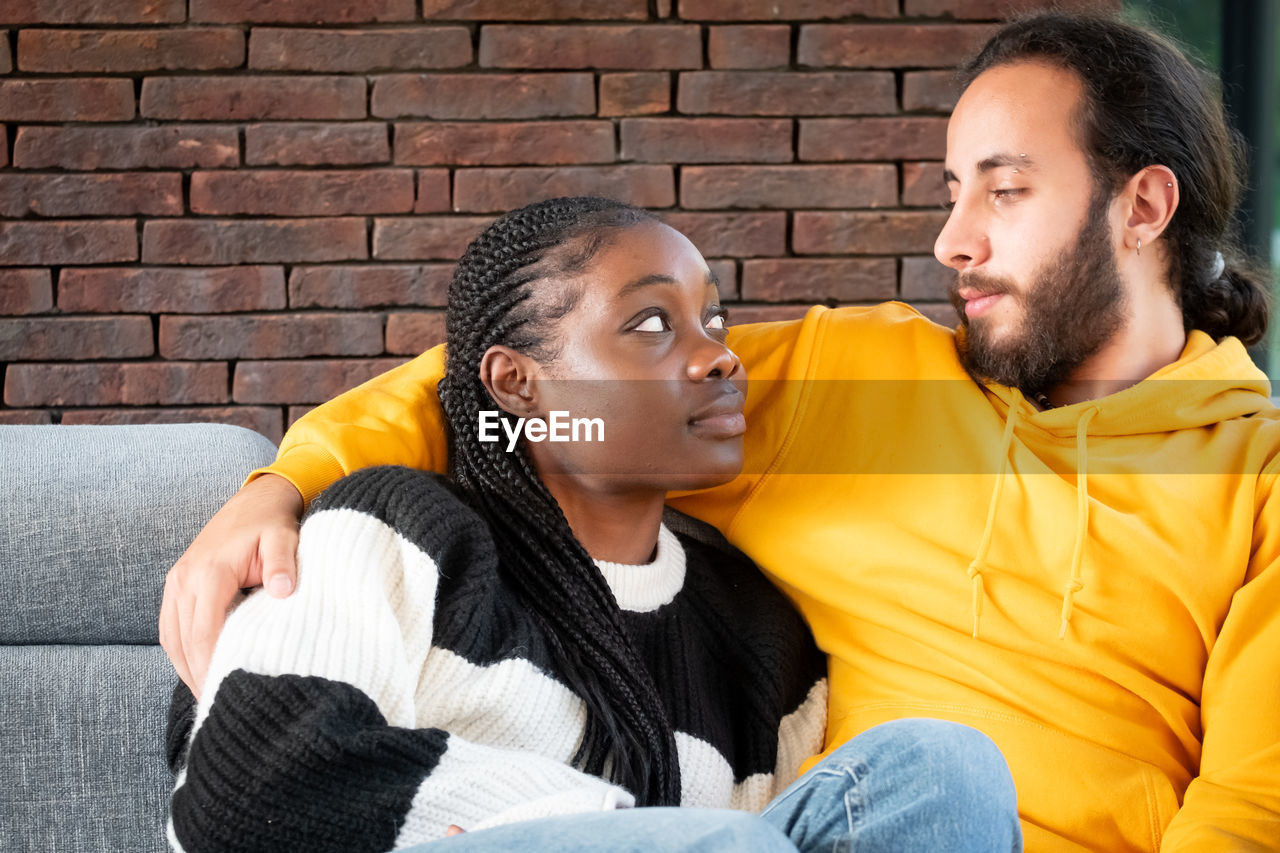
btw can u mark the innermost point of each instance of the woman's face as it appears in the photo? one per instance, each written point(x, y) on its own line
point(643, 351)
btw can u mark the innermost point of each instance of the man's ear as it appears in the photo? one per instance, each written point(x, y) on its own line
point(1151, 197)
point(510, 378)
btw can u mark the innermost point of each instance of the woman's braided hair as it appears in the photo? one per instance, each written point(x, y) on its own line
point(492, 300)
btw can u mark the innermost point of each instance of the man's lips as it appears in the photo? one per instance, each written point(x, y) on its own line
point(977, 303)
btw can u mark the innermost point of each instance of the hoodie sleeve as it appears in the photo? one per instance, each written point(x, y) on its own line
point(1234, 802)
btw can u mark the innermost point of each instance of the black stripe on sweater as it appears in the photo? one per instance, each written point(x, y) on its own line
point(292, 762)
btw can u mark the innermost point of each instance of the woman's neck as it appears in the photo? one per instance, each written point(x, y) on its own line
point(620, 527)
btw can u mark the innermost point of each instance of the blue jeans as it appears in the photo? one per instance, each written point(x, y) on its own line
point(905, 785)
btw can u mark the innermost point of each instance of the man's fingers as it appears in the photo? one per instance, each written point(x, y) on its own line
point(170, 636)
point(278, 550)
point(214, 592)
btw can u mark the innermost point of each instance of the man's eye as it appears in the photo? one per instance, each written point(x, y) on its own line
point(716, 322)
point(1006, 194)
point(651, 324)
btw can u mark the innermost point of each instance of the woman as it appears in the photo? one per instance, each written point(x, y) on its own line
point(528, 640)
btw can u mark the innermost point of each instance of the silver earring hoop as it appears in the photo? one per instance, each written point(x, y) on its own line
point(1139, 245)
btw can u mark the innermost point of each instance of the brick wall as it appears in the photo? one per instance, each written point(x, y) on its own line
point(231, 210)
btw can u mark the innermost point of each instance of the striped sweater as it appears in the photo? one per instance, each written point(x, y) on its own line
point(402, 688)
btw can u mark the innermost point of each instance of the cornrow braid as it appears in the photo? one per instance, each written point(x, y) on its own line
point(627, 736)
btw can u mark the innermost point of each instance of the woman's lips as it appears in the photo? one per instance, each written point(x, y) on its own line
point(720, 426)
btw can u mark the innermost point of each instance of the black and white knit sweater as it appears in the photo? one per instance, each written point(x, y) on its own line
point(402, 688)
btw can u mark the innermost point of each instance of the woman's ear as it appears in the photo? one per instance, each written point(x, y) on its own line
point(1152, 197)
point(510, 378)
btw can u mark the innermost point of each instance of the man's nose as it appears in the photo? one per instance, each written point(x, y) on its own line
point(963, 241)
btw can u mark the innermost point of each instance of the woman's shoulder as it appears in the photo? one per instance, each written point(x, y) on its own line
point(423, 507)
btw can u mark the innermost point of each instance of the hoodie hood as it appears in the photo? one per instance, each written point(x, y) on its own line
point(1211, 382)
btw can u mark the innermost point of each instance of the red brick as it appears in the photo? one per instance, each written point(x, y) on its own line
point(498, 190)
point(482, 96)
point(788, 186)
point(925, 279)
point(792, 10)
point(410, 334)
point(164, 290)
point(638, 46)
point(105, 384)
point(635, 93)
point(726, 273)
point(66, 99)
point(930, 91)
point(922, 185)
point(48, 338)
point(93, 12)
point(61, 51)
point(4, 145)
point(91, 241)
point(906, 138)
point(535, 10)
point(534, 143)
point(763, 46)
point(890, 45)
point(740, 315)
point(302, 193)
point(155, 194)
point(996, 9)
point(304, 381)
point(738, 235)
point(860, 233)
point(25, 417)
point(706, 140)
point(6, 59)
point(291, 49)
point(318, 144)
point(25, 291)
point(292, 413)
point(819, 280)
point(250, 241)
point(435, 191)
point(428, 238)
point(663, 8)
point(369, 286)
point(295, 12)
point(169, 147)
point(261, 419)
point(774, 93)
point(270, 336)
point(247, 98)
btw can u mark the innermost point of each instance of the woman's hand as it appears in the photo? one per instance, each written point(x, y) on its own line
point(251, 541)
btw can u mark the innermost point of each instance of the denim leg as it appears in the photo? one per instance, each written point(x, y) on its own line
point(905, 785)
point(650, 830)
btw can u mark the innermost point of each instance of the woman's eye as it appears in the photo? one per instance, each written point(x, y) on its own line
point(651, 324)
point(716, 322)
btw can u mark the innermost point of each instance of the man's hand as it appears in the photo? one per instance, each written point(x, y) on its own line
point(251, 541)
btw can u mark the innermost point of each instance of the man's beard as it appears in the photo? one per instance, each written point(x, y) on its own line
point(1074, 305)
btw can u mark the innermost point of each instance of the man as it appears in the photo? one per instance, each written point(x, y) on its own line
point(1055, 525)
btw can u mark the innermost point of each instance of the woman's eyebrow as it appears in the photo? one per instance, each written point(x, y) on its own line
point(646, 281)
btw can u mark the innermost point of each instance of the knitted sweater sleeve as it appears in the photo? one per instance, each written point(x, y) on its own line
point(306, 734)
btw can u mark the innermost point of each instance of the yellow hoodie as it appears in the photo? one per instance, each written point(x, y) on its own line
point(1096, 587)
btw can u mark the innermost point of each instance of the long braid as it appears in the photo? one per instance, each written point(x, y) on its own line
point(627, 735)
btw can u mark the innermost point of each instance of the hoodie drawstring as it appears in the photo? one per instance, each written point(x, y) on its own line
point(1075, 584)
point(980, 559)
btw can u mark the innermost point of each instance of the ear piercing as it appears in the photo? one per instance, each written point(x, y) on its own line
point(1139, 245)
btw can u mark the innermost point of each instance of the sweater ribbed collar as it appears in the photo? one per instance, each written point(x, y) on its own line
point(644, 588)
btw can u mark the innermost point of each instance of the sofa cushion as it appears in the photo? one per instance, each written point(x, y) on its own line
point(94, 517)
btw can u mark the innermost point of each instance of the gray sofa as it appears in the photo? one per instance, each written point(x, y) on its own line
point(92, 518)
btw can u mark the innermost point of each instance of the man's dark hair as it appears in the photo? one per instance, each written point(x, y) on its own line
point(492, 300)
point(1145, 103)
